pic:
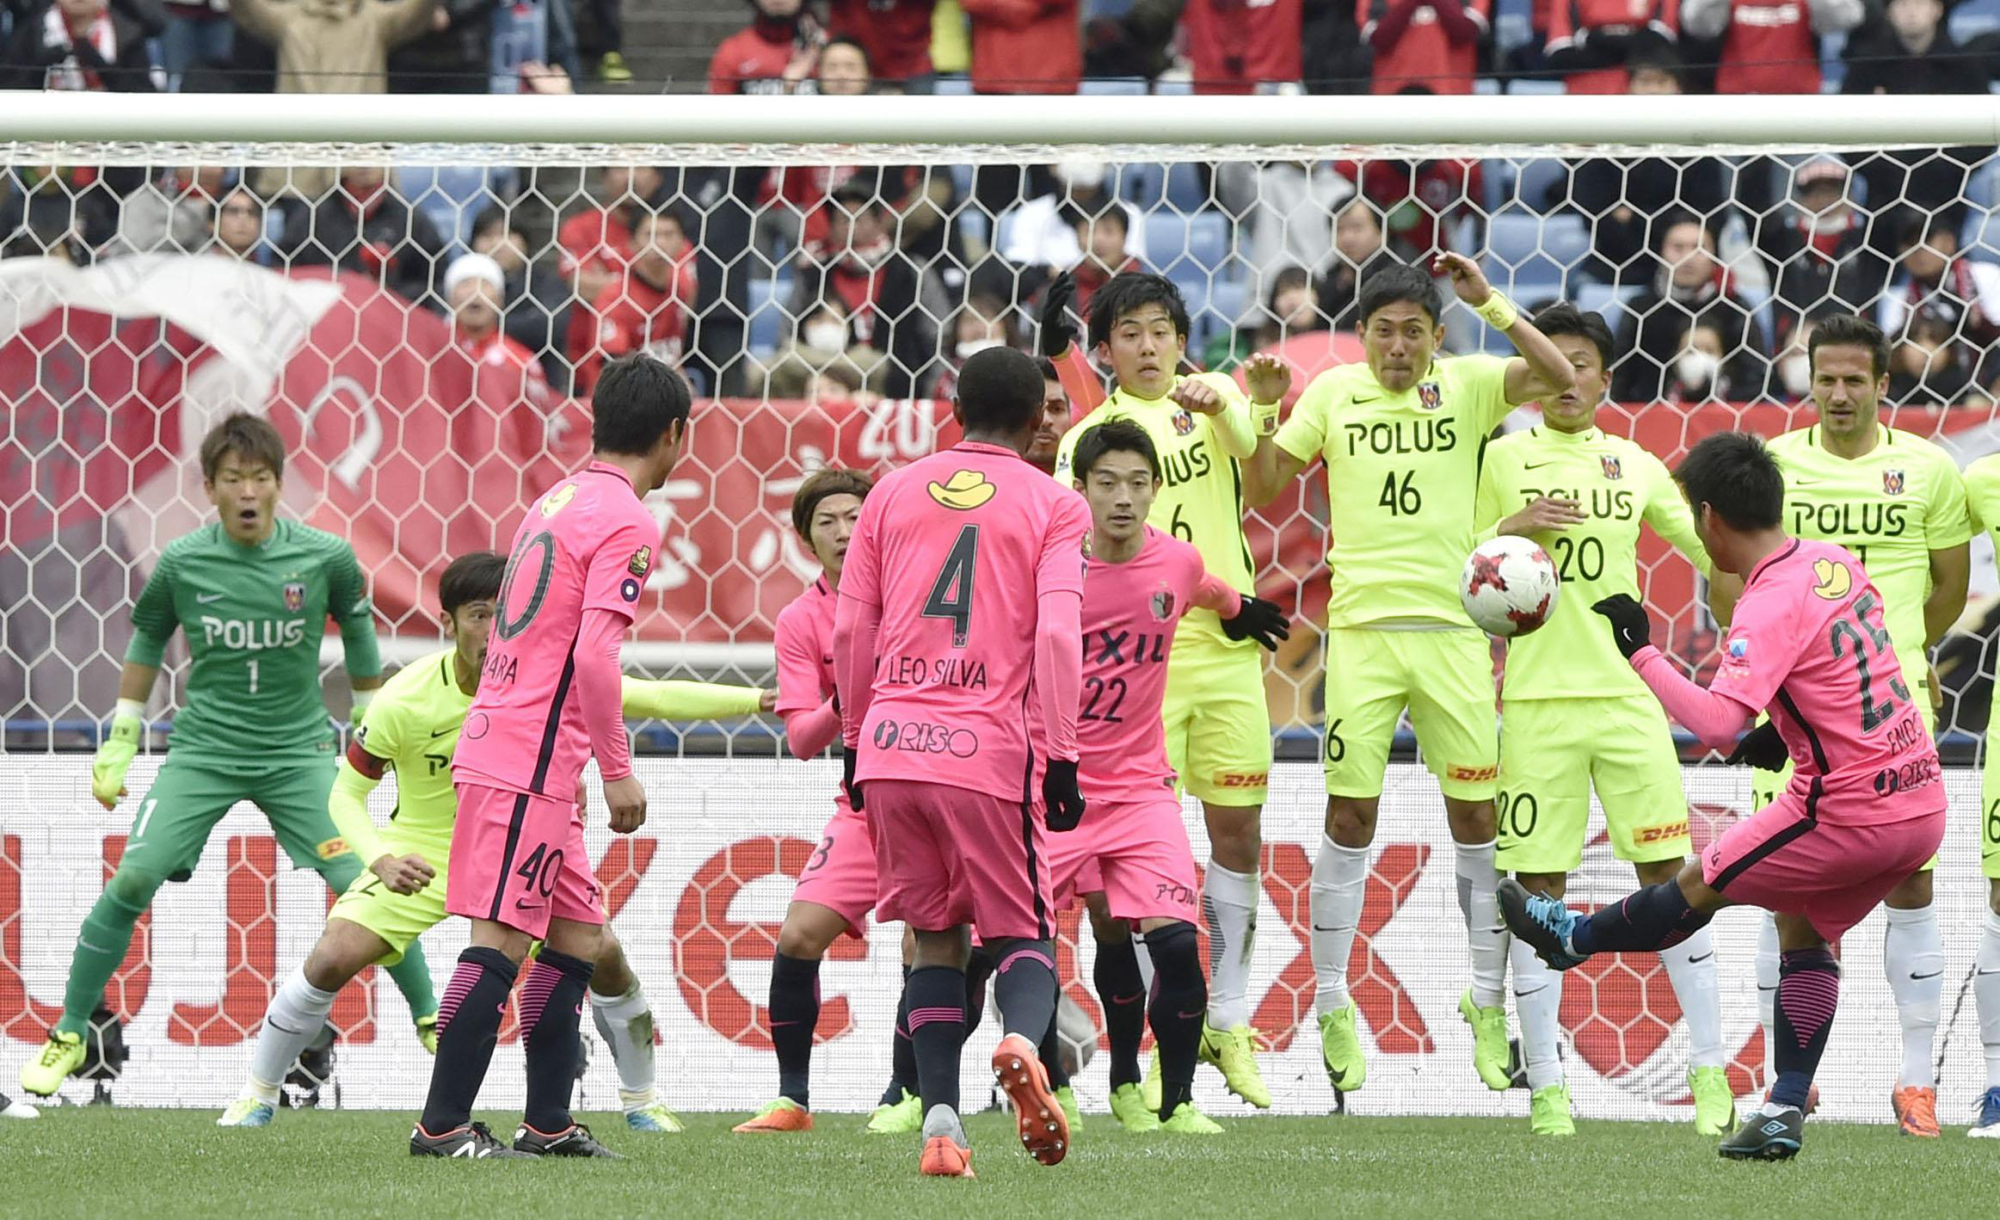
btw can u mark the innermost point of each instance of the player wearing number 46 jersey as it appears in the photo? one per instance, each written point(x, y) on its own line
point(1896, 502)
point(1866, 804)
point(1402, 437)
point(1575, 716)
point(253, 595)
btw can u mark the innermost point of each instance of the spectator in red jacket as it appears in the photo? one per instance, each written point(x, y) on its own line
point(1593, 41)
point(895, 33)
point(597, 242)
point(1420, 201)
point(646, 312)
point(775, 53)
point(1240, 46)
point(1768, 46)
point(473, 285)
point(1024, 46)
point(1431, 44)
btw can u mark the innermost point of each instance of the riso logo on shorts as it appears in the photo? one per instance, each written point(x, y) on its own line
point(1475, 775)
point(1662, 833)
point(1242, 779)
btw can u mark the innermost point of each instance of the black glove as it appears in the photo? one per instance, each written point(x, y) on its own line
point(1761, 748)
point(1057, 331)
point(1065, 803)
point(1630, 628)
point(848, 757)
point(1258, 620)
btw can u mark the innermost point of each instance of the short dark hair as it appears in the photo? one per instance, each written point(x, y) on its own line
point(1047, 368)
point(1734, 474)
point(1395, 283)
point(637, 400)
point(250, 437)
point(1129, 291)
point(496, 215)
point(999, 390)
point(667, 211)
point(1654, 55)
point(1677, 217)
point(473, 577)
point(1117, 436)
point(1910, 227)
point(1850, 330)
point(821, 483)
point(1562, 318)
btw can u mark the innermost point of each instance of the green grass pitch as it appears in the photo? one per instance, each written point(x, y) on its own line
point(161, 1164)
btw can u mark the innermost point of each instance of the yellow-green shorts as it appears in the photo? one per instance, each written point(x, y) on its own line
point(1766, 785)
point(397, 918)
point(1445, 678)
point(1218, 724)
point(1554, 751)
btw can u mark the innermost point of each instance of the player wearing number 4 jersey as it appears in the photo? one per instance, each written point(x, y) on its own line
point(1575, 716)
point(1218, 726)
point(1865, 807)
point(957, 651)
point(252, 594)
point(549, 700)
point(412, 728)
point(1896, 502)
point(1401, 438)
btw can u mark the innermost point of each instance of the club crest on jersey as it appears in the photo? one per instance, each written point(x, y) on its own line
point(295, 596)
point(1892, 482)
point(1612, 469)
point(553, 503)
point(1429, 396)
point(1183, 422)
point(1163, 605)
point(1834, 579)
point(1739, 649)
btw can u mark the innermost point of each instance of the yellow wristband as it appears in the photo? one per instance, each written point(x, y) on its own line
point(1499, 312)
point(1264, 417)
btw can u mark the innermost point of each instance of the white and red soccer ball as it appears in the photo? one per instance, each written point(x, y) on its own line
point(1509, 586)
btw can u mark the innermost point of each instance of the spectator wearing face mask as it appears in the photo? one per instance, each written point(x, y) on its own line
point(820, 358)
point(1701, 372)
point(1039, 234)
point(1690, 293)
point(1816, 248)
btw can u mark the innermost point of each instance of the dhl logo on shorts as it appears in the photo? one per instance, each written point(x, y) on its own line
point(1661, 833)
point(332, 847)
point(1475, 775)
point(1242, 779)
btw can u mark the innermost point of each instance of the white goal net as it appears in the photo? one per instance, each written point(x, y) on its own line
point(420, 303)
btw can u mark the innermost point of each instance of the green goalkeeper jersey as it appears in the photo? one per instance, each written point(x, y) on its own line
point(1617, 485)
point(254, 617)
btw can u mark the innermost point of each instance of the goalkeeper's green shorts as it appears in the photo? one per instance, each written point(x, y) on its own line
point(191, 793)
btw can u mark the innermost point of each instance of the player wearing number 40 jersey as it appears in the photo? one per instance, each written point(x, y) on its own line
point(549, 700)
point(1401, 438)
point(1866, 804)
point(1897, 503)
point(252, 594)
point(1575, 716)
point(957, 653)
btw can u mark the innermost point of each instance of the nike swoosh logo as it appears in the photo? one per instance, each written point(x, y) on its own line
point(1535, 465)
point(1125, 999)
point(1346, 927)
point(1914, 977)
point(207, 598)
point(522, 904)
point(437, 733)
point(1189, 1016)
point(1704, 957)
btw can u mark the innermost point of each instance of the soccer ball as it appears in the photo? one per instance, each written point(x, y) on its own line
point(1509, 586)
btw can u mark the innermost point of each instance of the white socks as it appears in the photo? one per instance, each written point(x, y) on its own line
point(1229, 907)
point(1691, 967)
point(292, 1021)
point(1767, 990)
point(1986, 990)
point(1485, 935)
point(1339, 885)
point(1538, 1003)
point(1913, 958)
point(626, 1024)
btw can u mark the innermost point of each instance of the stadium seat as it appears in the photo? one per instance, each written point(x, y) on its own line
point(1184, 187)
point(1539, 180)
point(452, 196)
point(1606, 301)
point(1186, 246)
point(1536, 253)
point(1537, 88)
point(1228, 299)
point(1141, 183)
point(1114, 86)
point(767, 316)
point(1173, 86)
point(1981, 236)
point(953, 86)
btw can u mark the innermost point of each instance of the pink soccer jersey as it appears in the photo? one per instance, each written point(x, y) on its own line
point(586, 544)
point(1130, 610)
point(803, 642)
point(953, 549)
point(1807, 643)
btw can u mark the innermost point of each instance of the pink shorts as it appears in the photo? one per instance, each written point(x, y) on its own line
point(520, 860)
point(1141, 852)
point(840, 876)
point(949, 856)
point(1832, 875)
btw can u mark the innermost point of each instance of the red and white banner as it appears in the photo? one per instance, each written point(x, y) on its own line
point(698, 894)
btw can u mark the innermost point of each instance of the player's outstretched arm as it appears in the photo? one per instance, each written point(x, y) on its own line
point(1715, 719)
point(647, 699)
point(1541, 370)
point(1058, 342)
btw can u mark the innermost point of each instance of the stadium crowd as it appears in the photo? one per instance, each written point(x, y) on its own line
point(797, 281)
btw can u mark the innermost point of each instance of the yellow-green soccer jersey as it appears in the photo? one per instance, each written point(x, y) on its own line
point(1402, 474)
point(413, 726)
point(1201, 489)
point(1892, 507)
point(1617, 485)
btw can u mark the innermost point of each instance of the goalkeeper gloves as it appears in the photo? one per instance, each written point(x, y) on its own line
point(115, 753)
point(1761, 748)
point(1058, 332)
point(1630, 629)
point(1060, 794)
point(1258, 620)
point(848, 757)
